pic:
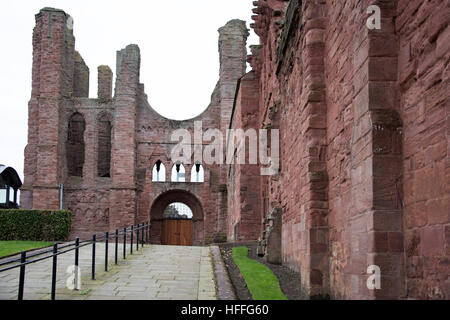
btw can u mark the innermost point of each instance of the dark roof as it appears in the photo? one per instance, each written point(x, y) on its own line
point(10, 177)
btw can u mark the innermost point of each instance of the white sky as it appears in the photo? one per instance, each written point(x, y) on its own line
point(177, 38)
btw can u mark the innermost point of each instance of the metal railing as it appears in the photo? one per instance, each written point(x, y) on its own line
point(26, 259)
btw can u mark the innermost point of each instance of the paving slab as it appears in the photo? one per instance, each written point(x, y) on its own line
point(152, 273)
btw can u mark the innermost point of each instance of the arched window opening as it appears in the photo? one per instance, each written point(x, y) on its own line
point(75, 145)
point(178, 173)
point(178, 210)
point(104, 148)
point(159, 172)
point(197, 173)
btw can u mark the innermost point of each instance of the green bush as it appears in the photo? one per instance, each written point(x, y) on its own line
point(35, 225)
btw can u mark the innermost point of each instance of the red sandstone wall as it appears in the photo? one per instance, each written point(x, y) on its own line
point(244, 213)
point(88, 197)
point(53, 69)
point(292, 94)
point(364, 124)
point(139, 136)
point(364, 134)
point(364, 127)
point(339, 71)
point(80, 77)
point(153, 144)
point(424, 79)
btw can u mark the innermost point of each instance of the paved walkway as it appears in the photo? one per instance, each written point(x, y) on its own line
point(152, 273)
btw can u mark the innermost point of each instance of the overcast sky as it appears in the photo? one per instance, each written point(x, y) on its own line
point(177, 38)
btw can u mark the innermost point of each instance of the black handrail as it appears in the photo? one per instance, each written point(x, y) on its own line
point(55, 251)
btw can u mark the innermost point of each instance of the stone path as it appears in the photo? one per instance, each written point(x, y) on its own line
point(152, 273)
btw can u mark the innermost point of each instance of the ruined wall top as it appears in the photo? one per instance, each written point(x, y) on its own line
point(127, 70)
point(233, 27)
point(105, 77)
point(53, 54)
point(275, 21)
point(266, 12)
point(232, 48)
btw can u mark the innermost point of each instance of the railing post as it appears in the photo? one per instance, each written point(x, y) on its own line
point(137, 236)
point(131, 240)
point(106, 250)
point(124, 243)
point(143, 232)
point(94, 237)
point(55, 262)
point(116, 251)
point(23, 258)
point(148, 231)
point(77, 256)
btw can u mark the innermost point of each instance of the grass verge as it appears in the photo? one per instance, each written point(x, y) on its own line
point(8, 248)
point(261, 281)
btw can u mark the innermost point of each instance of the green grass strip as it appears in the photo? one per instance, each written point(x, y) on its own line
point(8, 248)
point(261, 281)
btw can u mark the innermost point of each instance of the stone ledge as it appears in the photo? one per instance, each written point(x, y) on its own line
point(224, 288)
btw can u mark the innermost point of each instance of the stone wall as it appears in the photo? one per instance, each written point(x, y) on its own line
point(104, 157)
point(105, 78)
point(244, 218)
point(424, 84)
point(364, 142)
point(53, 69)
point(80, 77)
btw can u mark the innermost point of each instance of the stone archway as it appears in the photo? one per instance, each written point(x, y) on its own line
point(173, 196)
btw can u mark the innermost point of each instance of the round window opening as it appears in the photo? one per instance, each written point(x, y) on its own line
point(178, 210)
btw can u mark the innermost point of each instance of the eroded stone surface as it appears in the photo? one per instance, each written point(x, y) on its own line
point(364, 143)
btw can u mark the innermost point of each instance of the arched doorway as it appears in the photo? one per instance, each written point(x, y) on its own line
point(177, 219)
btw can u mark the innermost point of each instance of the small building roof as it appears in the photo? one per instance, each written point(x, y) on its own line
point(9, 177)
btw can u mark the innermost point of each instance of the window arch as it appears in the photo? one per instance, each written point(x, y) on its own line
point(197, 173)
point(159, 172)
point(75, 145)
point(104, 147)
point(178, 173)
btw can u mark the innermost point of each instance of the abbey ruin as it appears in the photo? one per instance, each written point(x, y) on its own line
point(364, 122)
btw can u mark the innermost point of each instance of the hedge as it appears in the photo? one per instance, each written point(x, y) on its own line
point(35, 225)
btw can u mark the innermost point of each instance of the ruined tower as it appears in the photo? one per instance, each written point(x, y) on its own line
point(103, 151)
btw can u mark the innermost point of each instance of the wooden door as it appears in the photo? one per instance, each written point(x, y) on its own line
point(177, 232)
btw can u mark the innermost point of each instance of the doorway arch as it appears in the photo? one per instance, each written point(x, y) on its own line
point(157, 218)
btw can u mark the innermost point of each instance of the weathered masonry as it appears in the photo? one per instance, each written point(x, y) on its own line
point(364, 120)
point(112, 154)
point(364, 123)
